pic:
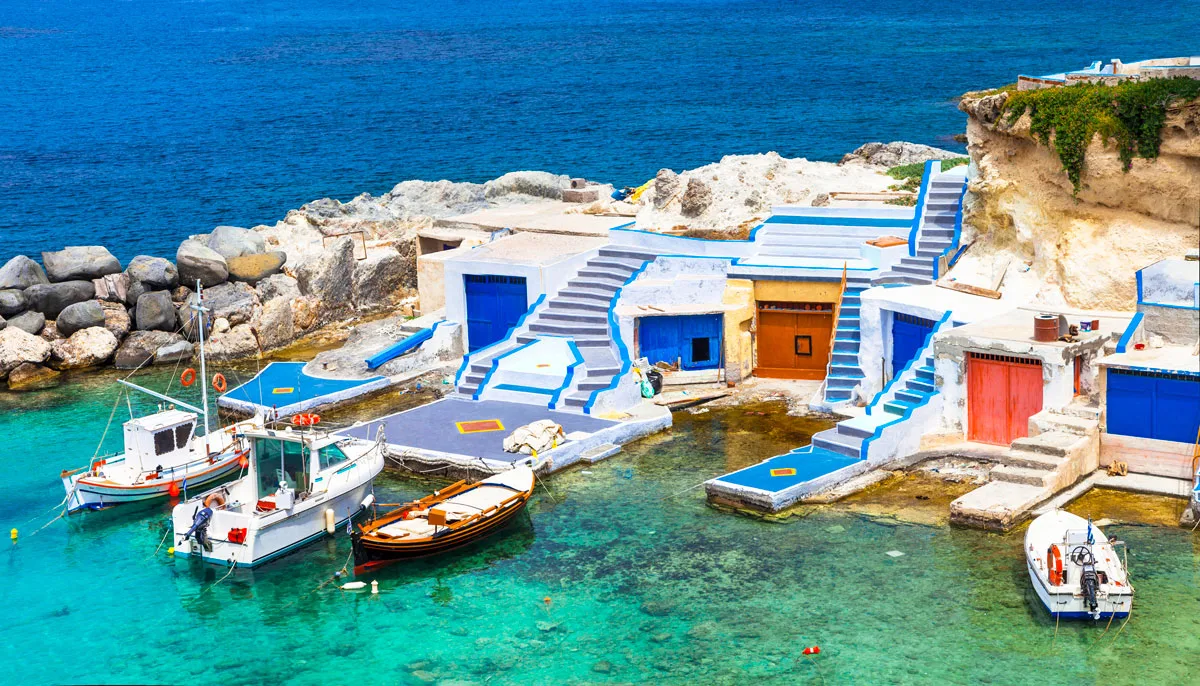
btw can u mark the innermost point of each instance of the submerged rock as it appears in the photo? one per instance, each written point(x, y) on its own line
point(12, 302)
point(80, 262)
point(234, 241)
point(52, 298)
point(142, 346)
point(21, 272)
point(157, 273)
point(155, 312)
point(32, 377)
point(196, 260)
point(30, 322)
point(86, 348)
point(80, 316)
point(255, 268)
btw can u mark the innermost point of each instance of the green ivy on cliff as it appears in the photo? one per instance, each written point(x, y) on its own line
point(1131, 113)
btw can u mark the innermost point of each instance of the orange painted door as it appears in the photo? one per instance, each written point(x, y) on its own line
point(793, 345)
point(1002, 394)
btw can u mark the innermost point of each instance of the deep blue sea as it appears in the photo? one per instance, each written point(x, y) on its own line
point(135, 123)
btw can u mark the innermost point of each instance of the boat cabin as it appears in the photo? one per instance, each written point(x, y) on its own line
point(288, 466)
point(159, 440)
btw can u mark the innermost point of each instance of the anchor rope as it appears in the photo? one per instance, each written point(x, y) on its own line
point(161, 541)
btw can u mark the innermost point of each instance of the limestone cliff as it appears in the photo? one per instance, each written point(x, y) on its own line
point(1082, 249)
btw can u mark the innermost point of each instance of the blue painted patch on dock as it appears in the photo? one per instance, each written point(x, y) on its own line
point(788, 470)
point(287, 388)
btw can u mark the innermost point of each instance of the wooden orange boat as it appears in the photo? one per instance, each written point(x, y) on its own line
point(452, 517)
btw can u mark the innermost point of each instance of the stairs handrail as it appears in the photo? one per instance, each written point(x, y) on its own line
point(837, 313)
point(958, 217)
point(919, 210)
point(614, 328)
point(520, 322)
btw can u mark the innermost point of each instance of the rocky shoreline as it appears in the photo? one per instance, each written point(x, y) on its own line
point(331, 262)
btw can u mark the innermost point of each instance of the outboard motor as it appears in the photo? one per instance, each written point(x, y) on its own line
point(199, 529)
point(1089, 580)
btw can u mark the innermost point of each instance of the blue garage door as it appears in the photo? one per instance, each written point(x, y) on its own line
point(1153, 405)
point(694, 340)
point(908, 337)
point(494, 305)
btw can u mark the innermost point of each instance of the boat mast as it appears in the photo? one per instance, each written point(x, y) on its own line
point(200, 311)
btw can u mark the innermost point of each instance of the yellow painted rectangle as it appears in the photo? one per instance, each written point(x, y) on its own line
point(284, 390)
point(476, 426)
point(783, 471)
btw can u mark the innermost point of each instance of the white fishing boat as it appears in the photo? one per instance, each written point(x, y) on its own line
point(164, 456)
point(299, 485)
point(1075, 568)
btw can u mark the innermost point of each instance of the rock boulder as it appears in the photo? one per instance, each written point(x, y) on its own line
point(52, 298)
point(86, 348)
point(379, 280)
point(895, 153)
point(157, 273)
point(18, 347)
point(30, 322)
point(79, 262)
point(117, 319)
point(180, 351)
point(234, 301)
point(236, 343)
point(234, 241)
point(80, 316)
point(12, 302)
point(21, 272)
point(274, 325)
point(277, 286)
point(32, 377)
point(534, 183)
point(196, 260)
point(155, 312)
point(142, 346)
point(328, 278)
point(697, 198)
point(255, 268)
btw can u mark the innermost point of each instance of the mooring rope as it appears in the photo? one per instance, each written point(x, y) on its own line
point(161, 541)
point(214, 585)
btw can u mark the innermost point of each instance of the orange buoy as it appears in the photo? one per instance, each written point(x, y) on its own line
point(1054, 565)
point(219, 382)
point(305, 419)
point(173, 489)
point(814, 650)
point(243, 461)
point(188, 377)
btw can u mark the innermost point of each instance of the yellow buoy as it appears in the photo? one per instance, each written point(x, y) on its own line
point(13, 533)
point(171, 550)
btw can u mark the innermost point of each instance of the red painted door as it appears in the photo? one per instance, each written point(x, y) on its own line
point(1002, 394)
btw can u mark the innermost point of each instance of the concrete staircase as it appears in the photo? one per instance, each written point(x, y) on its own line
point(940, 215)
point(844, 372)
point(578, 313)
point(1062, 447)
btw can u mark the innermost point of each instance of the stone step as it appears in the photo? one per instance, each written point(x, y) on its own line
point(838, 394)
point(586, 294)
point(568, 303)
point(845, 345)
point(608, 287)
point(1030, 460)
point(569, 328)
point(841, 382)
point(579, 316)
point(1023, 475)
point(850, 446)
point(998, 505)
point(615, 263)
point(603, 275)
point(1045, 421)
point(854, 431)
point(1056, 443)
point(911, 397)
point(847, 334)
point(846, 359)
point(597, 372)
point(899, 407)
point(921, 386)
point(632, 254)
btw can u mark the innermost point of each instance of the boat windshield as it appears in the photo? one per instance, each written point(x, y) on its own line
point(279, 461)
point(331, 455)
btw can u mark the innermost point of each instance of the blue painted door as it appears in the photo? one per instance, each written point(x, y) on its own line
point(1153, 405)
point(908, 337)
point(494, 305)
point(693, 340)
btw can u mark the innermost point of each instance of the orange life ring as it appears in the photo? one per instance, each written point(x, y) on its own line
point(1054, 565)
point(306, 419)
point(219, 382)
point(220, 500)
point(188, 377)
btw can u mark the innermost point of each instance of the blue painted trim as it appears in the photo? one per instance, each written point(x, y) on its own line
point(961, 250)
point(1170, 305)
point(615, 328)
point(570, 374)
point(524, 389)
point(496, 365)
point(1138, 275)
point(467, 357)
point(1125, 337)
point(919, 209)
point(397, 349)
point(674, 238)
point(957, 232)
point(921, 355)
point(825, 220)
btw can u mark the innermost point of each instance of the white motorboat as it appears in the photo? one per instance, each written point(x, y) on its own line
point(1075, 569)
point(300, 485)
point(164, 455)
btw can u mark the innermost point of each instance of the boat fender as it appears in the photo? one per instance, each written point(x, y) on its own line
point(366, 502)
point(374, 587)
point(354, 585)
point(214, 498)
point(1054, 565)
point(173, 489)
point(330, 521)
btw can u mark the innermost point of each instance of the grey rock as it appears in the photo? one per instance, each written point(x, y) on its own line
point(112, 287)
point(18, 347)
point(21, 272)
point(696, 199)
point(822, 200)
point(155, 312)
point(379, 280)
point(181, 351)
point(537, 184)
point(32, 377)
point(896, 153)
point(237, 343)
point(234, 241)
point(234, 301)
point(186, 318)
point(277, 286)
point(136, 290)
point(666, 187)
point(195, 260)
point(3, 323)
point(255, 268)
point(80, 316)
point(30, 322)
point(274, 325)
point(86, 348)
point(79, 262)
point(157, 273)
point(117, 319)
point(140, 347)
point(12, 301)
point(50, 299)
point(328, 277)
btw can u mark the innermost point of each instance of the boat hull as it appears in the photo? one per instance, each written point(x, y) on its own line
point(1068, 606)
point(85, 493)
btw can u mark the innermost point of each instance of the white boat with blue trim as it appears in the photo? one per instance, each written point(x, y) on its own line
point(299, 485)
point(1075, 569)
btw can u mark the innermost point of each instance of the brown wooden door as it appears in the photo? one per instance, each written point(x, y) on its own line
point(1002, 394)
point(793, 345)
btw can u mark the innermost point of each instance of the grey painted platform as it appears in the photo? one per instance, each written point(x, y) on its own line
point(433, 427)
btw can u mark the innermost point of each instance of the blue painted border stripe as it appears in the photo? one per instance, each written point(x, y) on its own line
point(467, 357)
point(919, 210)
point(525, 389)
point(570, 374)
point(613, 327)
point(496, 366)
point(1129, 330)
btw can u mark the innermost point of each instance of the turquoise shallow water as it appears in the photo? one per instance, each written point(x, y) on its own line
point(642, 587)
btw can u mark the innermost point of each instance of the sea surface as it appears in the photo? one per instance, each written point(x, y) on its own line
point(620, 573)
point(136, 123)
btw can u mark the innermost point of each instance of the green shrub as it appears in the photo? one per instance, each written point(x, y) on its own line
point(1131, 113)
point(909, 175)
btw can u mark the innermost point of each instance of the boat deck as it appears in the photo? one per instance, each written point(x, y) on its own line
point(288, 389)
